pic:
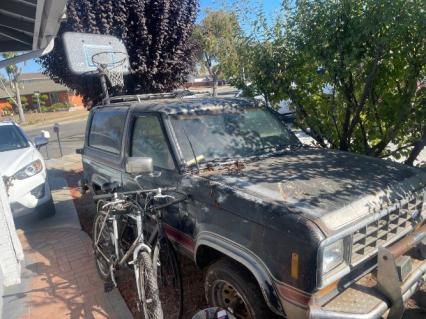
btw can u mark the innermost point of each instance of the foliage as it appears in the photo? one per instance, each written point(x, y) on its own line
point(352, 70)
point(24, 103)
point(43, 98)
point(156, 34)
point(56, 107)
point(13, 72)
point(216, 39)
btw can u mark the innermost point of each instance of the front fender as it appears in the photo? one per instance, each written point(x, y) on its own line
point(246, 258)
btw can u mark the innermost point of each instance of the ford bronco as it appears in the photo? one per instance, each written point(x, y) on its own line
point(281, 229)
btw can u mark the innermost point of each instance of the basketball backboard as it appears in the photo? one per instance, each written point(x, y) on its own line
point(84, 52)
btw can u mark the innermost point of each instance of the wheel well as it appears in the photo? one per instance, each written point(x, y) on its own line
point(205, 256)
point(96, 188)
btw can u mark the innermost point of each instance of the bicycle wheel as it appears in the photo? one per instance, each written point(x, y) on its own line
point(167, 271)
point(105, 244)
point(151, 304)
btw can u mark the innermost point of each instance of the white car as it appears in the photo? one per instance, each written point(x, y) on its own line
point(24, 171)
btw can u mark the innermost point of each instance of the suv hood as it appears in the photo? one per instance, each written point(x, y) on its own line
point(12, 161)
point(328, 187)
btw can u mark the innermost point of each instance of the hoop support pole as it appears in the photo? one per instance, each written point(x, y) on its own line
point(104, 88)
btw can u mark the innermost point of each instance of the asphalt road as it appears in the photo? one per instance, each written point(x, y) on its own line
point(71, 136)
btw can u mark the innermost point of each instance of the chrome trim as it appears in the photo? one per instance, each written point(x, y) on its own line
point(325, 279)
point(408, 288)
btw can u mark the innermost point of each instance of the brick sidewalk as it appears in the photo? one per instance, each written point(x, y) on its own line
point(59, 277)
point(64, 282)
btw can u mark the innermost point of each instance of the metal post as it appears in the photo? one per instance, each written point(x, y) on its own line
point(104, 88)
point(56, 130)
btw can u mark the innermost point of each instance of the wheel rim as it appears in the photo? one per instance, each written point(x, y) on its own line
point(227, 297)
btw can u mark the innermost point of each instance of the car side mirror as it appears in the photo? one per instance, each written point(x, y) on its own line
point(40, 141)
point(139, 165)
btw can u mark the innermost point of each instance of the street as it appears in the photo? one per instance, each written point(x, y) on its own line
point(71, 136)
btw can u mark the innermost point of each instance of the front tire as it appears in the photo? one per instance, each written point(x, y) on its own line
point(151, 304)
point(229, 286)
point(105, 243)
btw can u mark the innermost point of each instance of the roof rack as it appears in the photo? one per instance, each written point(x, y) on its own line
point(154, 96)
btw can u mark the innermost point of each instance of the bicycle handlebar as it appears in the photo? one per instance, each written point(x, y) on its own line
point(145, 191)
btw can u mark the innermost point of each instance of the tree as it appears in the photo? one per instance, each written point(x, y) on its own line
point(14, 72)
point(42, 98)
point(157, 35)
point(352, 71)
point(216, 37)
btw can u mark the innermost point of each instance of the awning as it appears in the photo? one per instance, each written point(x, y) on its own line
point(29, 25)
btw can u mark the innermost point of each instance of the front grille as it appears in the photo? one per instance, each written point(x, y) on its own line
point(367, 240)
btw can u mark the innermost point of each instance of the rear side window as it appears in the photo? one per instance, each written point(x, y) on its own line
point(106, 131)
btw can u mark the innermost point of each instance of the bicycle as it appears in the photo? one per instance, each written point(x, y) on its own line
point(120, 229)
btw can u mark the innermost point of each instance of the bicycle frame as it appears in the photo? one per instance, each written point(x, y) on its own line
point(137, 246)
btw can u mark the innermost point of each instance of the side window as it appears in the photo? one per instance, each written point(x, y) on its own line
point(106, 130)
point(148, 140)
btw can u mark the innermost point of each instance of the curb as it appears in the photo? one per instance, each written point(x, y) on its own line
point(51, 122)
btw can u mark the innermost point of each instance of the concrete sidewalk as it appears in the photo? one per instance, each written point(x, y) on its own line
point(59, 278)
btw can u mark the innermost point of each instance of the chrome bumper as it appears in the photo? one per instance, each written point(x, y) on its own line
point(384, 294)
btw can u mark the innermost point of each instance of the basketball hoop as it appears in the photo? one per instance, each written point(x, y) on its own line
point(97, 54)
point(110, 64)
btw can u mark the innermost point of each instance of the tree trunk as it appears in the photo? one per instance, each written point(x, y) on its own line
point(419, 145)
point(19, 103)
point(214, 85)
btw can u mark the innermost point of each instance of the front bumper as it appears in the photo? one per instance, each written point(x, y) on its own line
point(382, 292)
point(27, 195)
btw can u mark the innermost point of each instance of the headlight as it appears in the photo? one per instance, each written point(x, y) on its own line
point(29, 170)
point(332, 256)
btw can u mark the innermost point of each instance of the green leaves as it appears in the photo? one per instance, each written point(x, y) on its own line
point(371, 56)
point(157, 35)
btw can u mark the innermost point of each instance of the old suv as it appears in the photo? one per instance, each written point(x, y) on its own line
point(280, 229)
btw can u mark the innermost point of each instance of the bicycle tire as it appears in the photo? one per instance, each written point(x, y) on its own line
point(169, 279)
point(151, 304)
point(102, 265)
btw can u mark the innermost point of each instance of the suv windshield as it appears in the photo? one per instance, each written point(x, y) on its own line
point(11, 138)
point(230, 134)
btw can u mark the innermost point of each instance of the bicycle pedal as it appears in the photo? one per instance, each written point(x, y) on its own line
point(108, 287)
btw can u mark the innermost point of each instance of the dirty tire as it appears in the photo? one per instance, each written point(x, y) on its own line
point(151, 304)
point(101, 264)
point(228, 285)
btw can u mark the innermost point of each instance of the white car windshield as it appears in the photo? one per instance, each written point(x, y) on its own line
point(11, 138)
point(233, 134)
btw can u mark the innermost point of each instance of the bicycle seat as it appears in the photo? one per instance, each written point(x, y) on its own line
point(110, 187)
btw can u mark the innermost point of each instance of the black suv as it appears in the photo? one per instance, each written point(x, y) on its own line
point(281, 229)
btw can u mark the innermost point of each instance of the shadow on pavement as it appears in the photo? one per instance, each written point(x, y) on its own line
point(59, 273)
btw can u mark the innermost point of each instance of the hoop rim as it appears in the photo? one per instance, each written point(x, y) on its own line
point(113, 64)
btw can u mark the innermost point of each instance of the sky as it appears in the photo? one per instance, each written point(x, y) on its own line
point(269, 7)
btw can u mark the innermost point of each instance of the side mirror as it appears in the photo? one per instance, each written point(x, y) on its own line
point(139, 165)
point(40, 141)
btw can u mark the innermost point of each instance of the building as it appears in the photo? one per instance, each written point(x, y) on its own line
point(38, 82)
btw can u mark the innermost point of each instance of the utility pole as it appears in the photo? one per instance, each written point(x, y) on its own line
point(18, 101)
